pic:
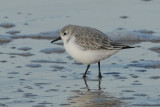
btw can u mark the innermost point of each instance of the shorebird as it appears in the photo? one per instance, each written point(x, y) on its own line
point(88, 45)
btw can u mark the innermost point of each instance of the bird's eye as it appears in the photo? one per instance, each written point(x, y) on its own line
point(65, 33)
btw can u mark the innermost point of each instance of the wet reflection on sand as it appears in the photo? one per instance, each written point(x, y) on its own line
point(91, 97)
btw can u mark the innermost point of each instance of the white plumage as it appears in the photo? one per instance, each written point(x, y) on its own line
point(86, 56)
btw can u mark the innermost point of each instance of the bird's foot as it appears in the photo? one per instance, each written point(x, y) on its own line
point(100, 76)
point(84, 76)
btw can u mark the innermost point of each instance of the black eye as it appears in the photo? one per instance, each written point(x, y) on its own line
point(65, 33)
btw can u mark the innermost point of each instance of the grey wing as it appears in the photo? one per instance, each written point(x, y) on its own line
point(93, 41)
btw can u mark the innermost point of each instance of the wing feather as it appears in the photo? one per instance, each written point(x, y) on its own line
point(92, 39)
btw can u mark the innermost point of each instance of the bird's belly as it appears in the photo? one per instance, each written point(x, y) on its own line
point(88, 56)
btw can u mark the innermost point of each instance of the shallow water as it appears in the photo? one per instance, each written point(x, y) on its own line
point(36, 73)
point(32, 77)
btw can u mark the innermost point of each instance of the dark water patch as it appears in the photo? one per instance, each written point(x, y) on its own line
point(57, 67)
point(140, 95)
point(52, 90)
point(13, 47)
point(18, 66)
point(25, 48)
point(3, 61)
point(13, 32)
point(52, 50)
point(43, 35)
point(27, 54)
point(115, 74)
point(120, 28)
point(29, 14)
point(46, 103)
point(69, 57)
point(5, 17)
point(142, 59)
point(114, 63)
point(77, 63)
point(12, 56)
point(145, 31)
point(123, 17)
point(141, 70)
point(13, 72)
point(47, 61)
point(112, 73)
point(29, 95)
point(128, 91)
point(25, 23)
point(29, 73)
point(22, 101)
point(146, 0)
point(39, 105)
point(3, 105)
point(156, 49)
point(5, 39)
point(19, 13)
point(147, 105)
point(10, 77)
point(73, 97)
point(33, 65)
point(19, 90)
point(4, 98)
point(63, 76)
point(28, 87)
point(133, 76)
point(134, 61)
point(136, 84)
point(146, 64)
point(127, 98)
point(41, 84)
point(120, 77)
point(65, 104)
point(136, 81)
point(7, 25)
point(155, 77)
point(22, 79)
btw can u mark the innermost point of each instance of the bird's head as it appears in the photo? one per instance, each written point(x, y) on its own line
point(65, 33)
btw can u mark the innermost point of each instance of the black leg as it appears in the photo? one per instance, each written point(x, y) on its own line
point(99, 83)
point(85, 81)
point(86, 71)
point(99, 69)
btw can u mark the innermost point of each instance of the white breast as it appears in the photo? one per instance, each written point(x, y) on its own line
point(86, 56)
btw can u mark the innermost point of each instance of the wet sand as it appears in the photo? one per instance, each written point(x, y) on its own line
point(42, 74)
point(36, 73)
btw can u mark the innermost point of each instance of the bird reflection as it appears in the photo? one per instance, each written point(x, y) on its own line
point(93, 97)
point(99, 83)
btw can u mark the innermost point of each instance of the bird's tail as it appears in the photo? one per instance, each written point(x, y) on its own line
point(120, 46)
point(126, 47)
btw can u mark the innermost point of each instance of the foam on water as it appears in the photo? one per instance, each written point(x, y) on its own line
point(117, 35)
point(124, 35)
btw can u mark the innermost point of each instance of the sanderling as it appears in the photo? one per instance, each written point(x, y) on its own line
point(88, 45)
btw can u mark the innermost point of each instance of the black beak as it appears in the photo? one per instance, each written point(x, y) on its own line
point(59, 38)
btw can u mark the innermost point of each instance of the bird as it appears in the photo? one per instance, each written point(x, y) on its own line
point(88, 45)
